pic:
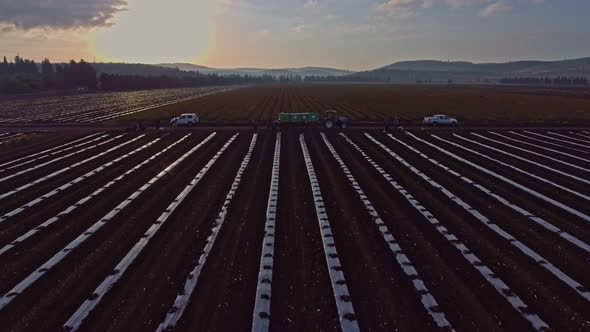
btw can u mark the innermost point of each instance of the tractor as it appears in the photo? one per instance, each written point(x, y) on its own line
point(332, 119)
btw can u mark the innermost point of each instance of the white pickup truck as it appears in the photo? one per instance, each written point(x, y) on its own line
point(440, 120)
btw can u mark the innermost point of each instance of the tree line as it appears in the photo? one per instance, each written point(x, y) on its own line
point(22, 75)
point(117, 82)
point(561, 80)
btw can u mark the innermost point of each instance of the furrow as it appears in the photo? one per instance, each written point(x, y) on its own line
point(427, 299)
point(7, 298)
point(261, 314)
point(347, 317)
point(498, 284)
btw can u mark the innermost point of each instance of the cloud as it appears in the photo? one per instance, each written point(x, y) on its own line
point(263, 33)
point(59, 14)
point(310, 3)
point(298, 28)
point(402, 8)
point(405, 8)
point(494, 9)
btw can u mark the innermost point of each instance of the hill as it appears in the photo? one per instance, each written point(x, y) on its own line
point(432, 70)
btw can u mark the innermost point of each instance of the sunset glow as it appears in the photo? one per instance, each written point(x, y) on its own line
point(349, 34)
point(152, 31)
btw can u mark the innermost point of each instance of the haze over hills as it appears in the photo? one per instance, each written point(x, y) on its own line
point(404, 71)
point(305, 71)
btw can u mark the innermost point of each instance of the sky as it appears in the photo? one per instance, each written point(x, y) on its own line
point(346, 34)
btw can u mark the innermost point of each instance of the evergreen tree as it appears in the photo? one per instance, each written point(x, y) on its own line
point(4, 67)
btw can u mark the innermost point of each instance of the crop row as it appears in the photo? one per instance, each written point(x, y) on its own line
point(92, 108)
point(491, 234)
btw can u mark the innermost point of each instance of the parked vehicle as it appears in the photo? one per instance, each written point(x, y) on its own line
point(330, 120)
point(440, 120)
point(300, 118)
point(188, 119)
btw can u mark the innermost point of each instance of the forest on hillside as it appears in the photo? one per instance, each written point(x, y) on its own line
point(22, 75)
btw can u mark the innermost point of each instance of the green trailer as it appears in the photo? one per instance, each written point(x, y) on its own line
point(330, 120)
point(298, 117)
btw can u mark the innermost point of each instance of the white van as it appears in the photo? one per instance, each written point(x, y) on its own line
point(188, 119)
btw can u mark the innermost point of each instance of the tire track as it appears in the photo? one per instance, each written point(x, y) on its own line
point(427, 299)
point(584, 169)
point(76, 320)
point(261, 314)
point(348, 321)
point(17, 290)
point(498, 284)
point(64, 213)
point(556, 272)
point(545, 198)
point(529, 215)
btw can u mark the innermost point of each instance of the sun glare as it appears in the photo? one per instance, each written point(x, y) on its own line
point(155, 31)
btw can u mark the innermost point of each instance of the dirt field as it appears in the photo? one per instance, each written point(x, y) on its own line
point(375, 103)
point(94, 107)
point(301, 230)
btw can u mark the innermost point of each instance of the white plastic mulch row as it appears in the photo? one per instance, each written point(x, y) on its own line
point(48, 154)
point(578, 134)
point(7, 298)
point(585, 169)
point(427, 299)
point(37, 166)
point(76, 320)
point(571, 138)
point(261, 313)
point(535, 193)
point(558, 140)
point(498, 284)
point(537, 177)
point(143, 109)
point(536, 219)
point(75, 107)
point(182, 299)
point(344, 307)
point(68, 168)
point(75, 181)
point(541, 261)
point(50, 149)
point(9, 137)
point(86, 199)
point(546, 148)
point(577, 178)
point(108, 116)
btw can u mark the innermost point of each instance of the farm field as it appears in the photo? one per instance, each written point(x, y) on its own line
point(297, 230)
point(366, 103)
point(93, 108)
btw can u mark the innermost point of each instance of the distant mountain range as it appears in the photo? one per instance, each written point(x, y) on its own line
point(532, 67)
point(462, 70)
point(405, 71)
